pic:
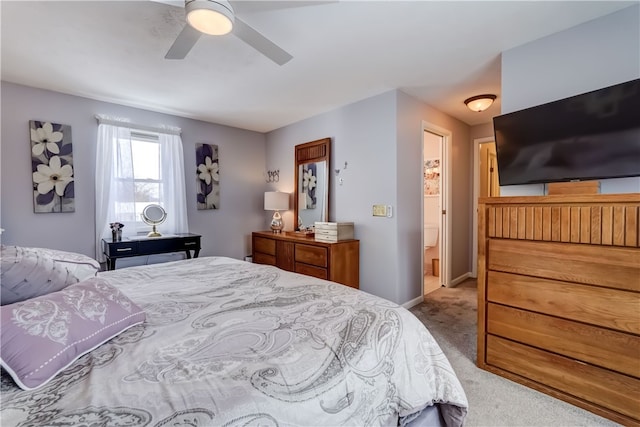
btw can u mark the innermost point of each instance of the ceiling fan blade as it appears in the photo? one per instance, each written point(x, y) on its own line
point(176, 3)
point(260, 43)
point(183, 44)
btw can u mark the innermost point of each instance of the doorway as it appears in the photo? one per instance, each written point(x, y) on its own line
point(436, 143)
point(485, 184)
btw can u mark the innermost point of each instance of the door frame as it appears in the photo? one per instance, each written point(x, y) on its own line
point(476, 193)
point(445, 200)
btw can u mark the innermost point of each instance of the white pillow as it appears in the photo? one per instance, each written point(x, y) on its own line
point(80, 266)
point(30, 272)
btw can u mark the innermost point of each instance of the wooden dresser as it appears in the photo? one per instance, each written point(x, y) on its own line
point(559, 298)
point(338, 261)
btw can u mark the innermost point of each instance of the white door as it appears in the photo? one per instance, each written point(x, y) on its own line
point(436, 176)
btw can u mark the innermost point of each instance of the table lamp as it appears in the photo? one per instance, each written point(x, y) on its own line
point(276, 201)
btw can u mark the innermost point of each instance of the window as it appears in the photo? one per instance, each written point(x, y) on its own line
point(136, 167)
point(142, 177)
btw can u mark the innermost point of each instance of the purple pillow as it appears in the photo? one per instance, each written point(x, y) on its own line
point(42, 336)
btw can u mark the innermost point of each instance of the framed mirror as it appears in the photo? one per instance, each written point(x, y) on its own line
point(153, 215)
point(311, 198)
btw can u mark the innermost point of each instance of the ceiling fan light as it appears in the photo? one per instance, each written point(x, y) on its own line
point(479, 103)
point(210, 17)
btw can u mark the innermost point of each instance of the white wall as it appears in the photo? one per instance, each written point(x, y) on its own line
point(363, 135)
point(411, 114)
point(381, 140)
point(224, 232)
point(590, 56)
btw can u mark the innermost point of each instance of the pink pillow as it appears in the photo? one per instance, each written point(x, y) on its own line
point(42, 336)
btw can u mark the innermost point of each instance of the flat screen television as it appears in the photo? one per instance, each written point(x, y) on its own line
point(595, 135)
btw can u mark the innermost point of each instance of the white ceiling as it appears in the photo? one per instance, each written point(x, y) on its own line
point(345, 51)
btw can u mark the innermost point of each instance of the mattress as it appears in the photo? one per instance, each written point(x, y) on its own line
point(230, 343)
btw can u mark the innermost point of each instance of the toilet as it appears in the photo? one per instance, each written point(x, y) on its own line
point(430, 235)
point(430, 241)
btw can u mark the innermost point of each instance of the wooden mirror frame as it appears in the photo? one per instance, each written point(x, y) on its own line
point(312, 152)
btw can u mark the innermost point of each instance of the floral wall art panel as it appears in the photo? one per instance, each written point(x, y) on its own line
point(432, 177)
point(52, 167)
point(208, 176)
point(309, 181)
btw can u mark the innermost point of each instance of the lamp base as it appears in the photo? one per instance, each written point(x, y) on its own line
point(276, 223)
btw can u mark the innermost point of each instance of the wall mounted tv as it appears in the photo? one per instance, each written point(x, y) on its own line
point(595, 135)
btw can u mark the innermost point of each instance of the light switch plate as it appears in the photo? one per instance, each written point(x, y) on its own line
point(379, 210)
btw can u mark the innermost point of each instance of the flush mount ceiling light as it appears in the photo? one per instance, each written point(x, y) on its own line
point(480, 102)
point(218, 17)
point(210, 17)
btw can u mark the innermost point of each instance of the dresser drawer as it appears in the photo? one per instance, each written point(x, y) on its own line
point(310, 270)
point(152, 246)
point(594, 305)
point(617, 351)
point(328, 232)
point(119, 249)
point(582, 380)
point(260, 258)
point(320, 237)
point(579, 263)
point(189, 243)
point(266, 246)
point(314, 255)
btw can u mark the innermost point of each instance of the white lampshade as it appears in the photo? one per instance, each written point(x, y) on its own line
point(214, 17)
point(276, 201)
point(480, 103)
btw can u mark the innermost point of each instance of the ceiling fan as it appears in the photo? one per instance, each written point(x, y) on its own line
point(218, 17)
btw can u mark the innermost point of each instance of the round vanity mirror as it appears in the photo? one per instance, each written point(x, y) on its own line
point(153, 215)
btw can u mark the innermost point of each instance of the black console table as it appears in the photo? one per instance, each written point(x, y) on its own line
point(137, 246)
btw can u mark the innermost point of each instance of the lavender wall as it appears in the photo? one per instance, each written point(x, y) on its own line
point(381, 140)
point(590, 56)
point(411, 113)
point(484, 130)
point(225, 232)
point(363, 135)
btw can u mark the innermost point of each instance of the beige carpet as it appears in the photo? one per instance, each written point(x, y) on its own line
point(451, 316)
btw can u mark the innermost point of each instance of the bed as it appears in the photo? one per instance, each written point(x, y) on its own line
point(230, 343)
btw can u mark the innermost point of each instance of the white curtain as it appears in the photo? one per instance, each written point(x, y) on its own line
point(115, 198)
point(173, 196)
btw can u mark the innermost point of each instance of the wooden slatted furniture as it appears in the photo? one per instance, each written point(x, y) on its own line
point(559, 297)
point(338, 261)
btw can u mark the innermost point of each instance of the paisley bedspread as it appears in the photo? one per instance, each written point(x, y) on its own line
point(229, 343)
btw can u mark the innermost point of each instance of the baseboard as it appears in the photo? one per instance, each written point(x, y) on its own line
point(413, 302)
point(454, 283)
point(460, 279)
